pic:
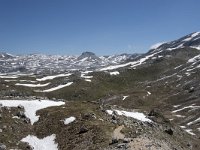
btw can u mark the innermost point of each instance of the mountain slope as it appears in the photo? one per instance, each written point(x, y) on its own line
point(150, 101)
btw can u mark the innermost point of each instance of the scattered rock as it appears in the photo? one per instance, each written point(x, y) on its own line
point(27, 120)
point(191, 90)
point(114, 117)
point(154, 112)
point(169, 131)
point(2, 146)
point(20, 107)
point(29, 147)
point(127, 140)
point(121, 145)
point(4, 127)
point(83, 130)
point(21, 114)
point(114, 140)
point(88, 116)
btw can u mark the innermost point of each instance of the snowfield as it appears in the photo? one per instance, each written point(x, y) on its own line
point(31, 106)
point(135, 115)
point(69, 120)
point(47, 143)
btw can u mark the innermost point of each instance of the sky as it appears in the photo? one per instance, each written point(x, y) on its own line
point(105, 27)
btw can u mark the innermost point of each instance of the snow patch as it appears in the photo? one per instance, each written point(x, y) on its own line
point(69, 120)
point(84, 75)
point(179, 116)
point(178, 67)
point(56, 88)
point(135, 115)
point(148, 93)
point(47, 143)
point(32, 85)
point(124, 97)
point(8, 76)
point(114, 73)
point(31, 106)
point(155, 46)
point(196, 47)
point(53, 77)
point(175, 106)
point(189, 131)
point(88, 80)
point(193, 106)
point(194, 59)
point(192, 122)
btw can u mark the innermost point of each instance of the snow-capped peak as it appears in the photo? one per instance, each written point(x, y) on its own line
point(155, 46)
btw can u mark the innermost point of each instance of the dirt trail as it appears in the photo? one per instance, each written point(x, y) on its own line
point(117, 134)
point(145, 143)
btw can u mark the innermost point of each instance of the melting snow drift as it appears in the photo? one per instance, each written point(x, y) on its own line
point(56, 88)
point(69, 120)
point(54, 76)
point(135, 115)
point(33, 85)
point(31, 107)
point(47, 143)
point(114, 73)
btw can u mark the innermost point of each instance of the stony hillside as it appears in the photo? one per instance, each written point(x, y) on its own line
point(150, 101)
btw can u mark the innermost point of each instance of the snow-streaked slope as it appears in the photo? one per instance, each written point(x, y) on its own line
point(47, 143)
point(131, 64)
point(53, 77)
point(56, 88)
point(31, 106)
point(191, 40)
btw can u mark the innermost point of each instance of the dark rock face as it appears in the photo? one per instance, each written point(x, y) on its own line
point(83, 130)
point(155, 112)
point(88, 55)
point(169, 131)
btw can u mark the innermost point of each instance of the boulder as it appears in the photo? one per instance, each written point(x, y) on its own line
point(2, 146)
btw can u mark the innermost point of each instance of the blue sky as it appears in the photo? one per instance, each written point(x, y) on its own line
point(101, 26)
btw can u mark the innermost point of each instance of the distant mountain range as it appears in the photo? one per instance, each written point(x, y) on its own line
point(38, 63)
